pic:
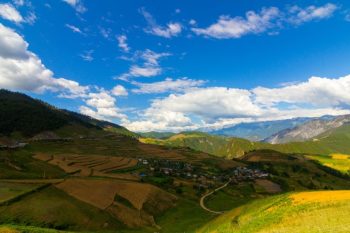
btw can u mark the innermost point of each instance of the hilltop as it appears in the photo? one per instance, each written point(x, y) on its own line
point(319, 211)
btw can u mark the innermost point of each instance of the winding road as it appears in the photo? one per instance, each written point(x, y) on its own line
point(201, 202)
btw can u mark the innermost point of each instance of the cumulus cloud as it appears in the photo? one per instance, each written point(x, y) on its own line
point(122, 43)
point(101, 105)
point(267, 19)
point(77, 5)
point(316, 91)
point(21, 69)
point(168, 85)
point(119, 90)
point(216, 107)
point(8, 12)
point(148, 65)
point(168, 31)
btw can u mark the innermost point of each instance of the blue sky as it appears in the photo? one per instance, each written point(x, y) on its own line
point(179, 65)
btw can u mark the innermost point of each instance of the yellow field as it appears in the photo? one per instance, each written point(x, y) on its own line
point(304, 212)
point(320, 197)
point(340, 162)
point(340, 156)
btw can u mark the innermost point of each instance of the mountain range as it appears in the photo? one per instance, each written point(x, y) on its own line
point(308, 130)
point(258, 131)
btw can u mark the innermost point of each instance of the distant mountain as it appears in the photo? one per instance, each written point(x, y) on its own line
point(23, 116)
point(308, 130)
point(257, 131)
point(335, 140)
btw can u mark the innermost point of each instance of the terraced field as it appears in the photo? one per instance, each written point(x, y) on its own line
point(101, 193)
point(87, 165)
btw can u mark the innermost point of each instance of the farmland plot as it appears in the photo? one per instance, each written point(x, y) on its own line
point(87, 165)
point(145, 201)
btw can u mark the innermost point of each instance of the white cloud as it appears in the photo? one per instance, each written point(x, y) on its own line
point(77, 5)
point(300, 15)
point(21, 69)
point(152, 58)
point(253, 23)
point(210, 103)
point(168, 31)
point(122, 43)
point(119, 90)
point(87, 55)
point(149, 65)
point(8, 12)
point(74, 29)
point(168, 85)
point(216, 107)
point(316, 91)
point(137, 71)
point(267, 19)
point(101, 105)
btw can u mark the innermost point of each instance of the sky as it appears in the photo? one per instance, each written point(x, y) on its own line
point(179, 65)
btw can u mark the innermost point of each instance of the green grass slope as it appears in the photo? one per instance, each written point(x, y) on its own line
point(320, 211)
point(52, 208)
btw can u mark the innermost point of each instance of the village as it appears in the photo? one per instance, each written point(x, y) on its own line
point(195, 173)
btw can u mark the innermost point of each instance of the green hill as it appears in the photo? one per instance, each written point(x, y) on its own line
point(320, 211)
point(23, 116)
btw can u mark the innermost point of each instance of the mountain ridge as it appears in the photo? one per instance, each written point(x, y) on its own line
point(24, 117)
point(308, 130)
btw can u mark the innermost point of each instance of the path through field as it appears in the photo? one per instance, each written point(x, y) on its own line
point(201, 202)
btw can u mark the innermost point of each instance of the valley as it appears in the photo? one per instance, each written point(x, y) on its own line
point(92, 176)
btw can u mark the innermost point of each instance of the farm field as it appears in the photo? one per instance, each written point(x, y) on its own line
point(45, 209)
point(318, 211)
point(340, 162)
point(136, 201)
point(115, 145)
point(10, 190)
point(21, 165)
point(88, 165)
